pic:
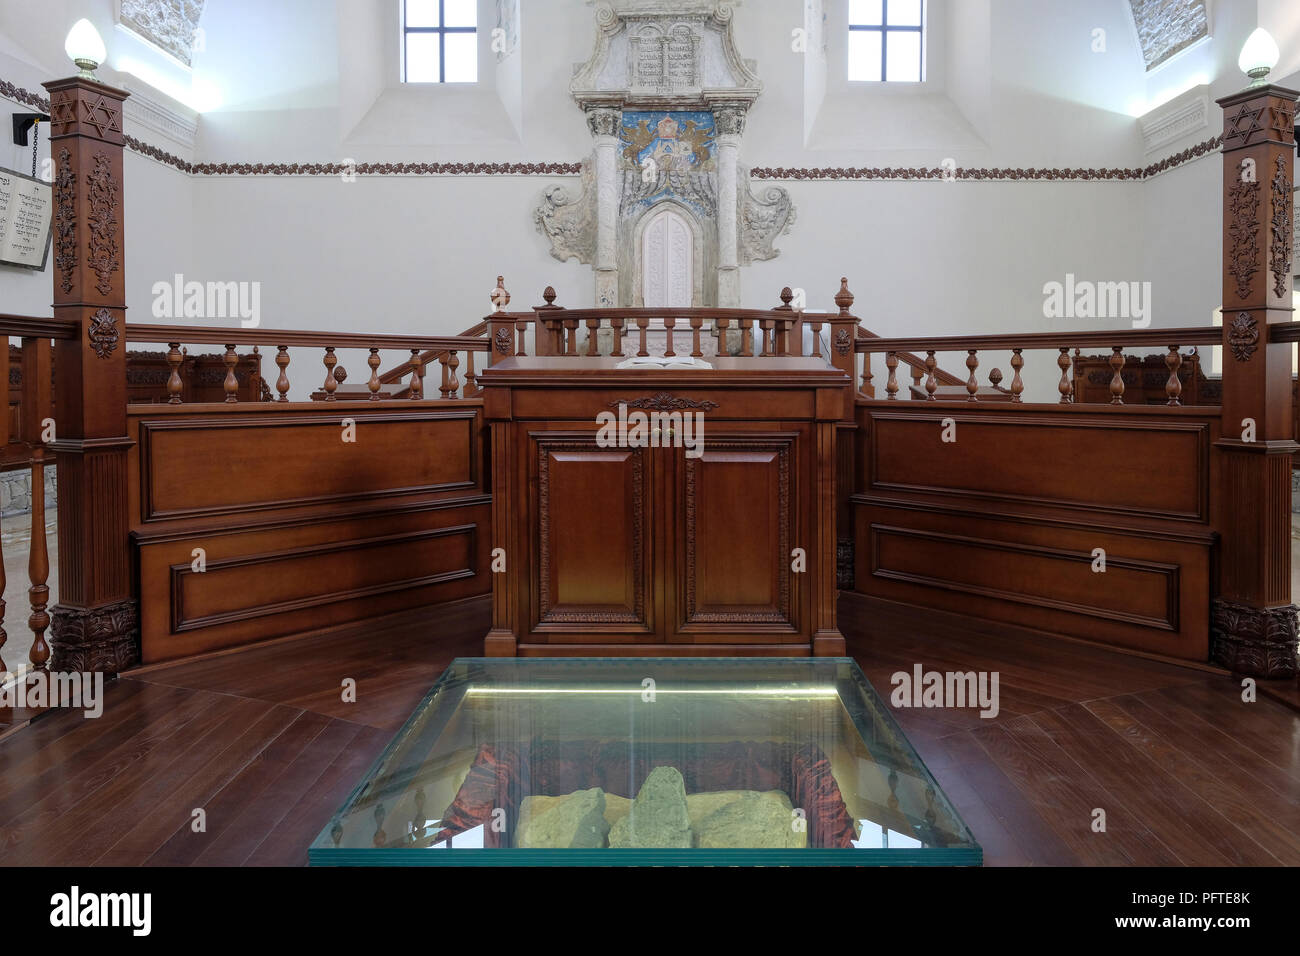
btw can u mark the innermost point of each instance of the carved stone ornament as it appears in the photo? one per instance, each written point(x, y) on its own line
point(764, 216)
point(103, 333)
point(1283, 202)
point(665, 402)
point(1243, 336)
point(1243, 234)
point(1257, 642)
point(569, 222)
point(604, 122)
point(668, 50)
point(730, 120)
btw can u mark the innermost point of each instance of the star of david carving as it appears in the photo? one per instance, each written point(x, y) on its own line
point(1238, 124)
point(63, 112)
point(1283, 123)
point(102, 116)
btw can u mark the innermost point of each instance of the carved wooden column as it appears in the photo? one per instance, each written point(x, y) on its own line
point(1253, 622)
point(604, 124)
point(95, 624)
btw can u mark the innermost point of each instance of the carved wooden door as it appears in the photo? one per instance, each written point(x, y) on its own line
point(593, 566)
point(738, 519)
point(667, 261)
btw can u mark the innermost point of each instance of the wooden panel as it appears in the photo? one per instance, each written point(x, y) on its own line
point(222, 464)
point(1116, 463)
point(1153, 596)
point(1139, 592)
point(737, 521)
point(593, 535)
point(259, 585)
point(282, 578)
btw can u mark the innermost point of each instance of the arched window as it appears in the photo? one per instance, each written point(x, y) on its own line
point(439, 41)
point(887, 41)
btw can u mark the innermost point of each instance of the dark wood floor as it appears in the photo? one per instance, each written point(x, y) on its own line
point(1187, 773)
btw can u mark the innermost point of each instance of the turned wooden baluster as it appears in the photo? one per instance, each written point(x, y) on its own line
point(696, 324)
point(931, 383)
point(746, 338)
point(471, 379)
point(593, 341)
point(1117, 380)
point(816, 326)
point(1065, 386)
point(670, 323)
point(174, 383)
point(867, 377)
point(282, 383)
point(617, 351)
point(521, 329)
point(374, 383)
point(38, 563)
point(570, 336)
point(972, 383)
point(1017, 384)
point(641, 323)
point(232, 383)
point(1174, 387)
point(766, 326)
point(417, 379)
point(450, 382)
point(891, 386)
point(916, 376)
point(331, 383)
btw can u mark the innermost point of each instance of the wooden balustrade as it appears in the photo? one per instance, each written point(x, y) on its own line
point(898, 351)
point(33, 432)
point(445, 351)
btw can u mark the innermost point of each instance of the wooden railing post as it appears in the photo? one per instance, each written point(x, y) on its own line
point(500, 326)
point(95, 625)
point(844, 332)
point(1253, 621)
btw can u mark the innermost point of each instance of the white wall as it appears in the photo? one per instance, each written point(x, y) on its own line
point(306, 81)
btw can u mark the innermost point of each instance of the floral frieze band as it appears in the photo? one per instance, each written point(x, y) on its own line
point(1046, 174)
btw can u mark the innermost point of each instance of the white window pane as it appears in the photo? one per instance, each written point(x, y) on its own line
point(462, 57)
point(903, 57)
point(422, 13)
point(461, 13)
point(422, 58)
point(864, 12)
point(864, 55)
point(904, 13)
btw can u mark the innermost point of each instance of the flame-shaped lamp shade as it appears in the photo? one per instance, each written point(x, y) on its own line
point(85, 47)
point(1258, 56)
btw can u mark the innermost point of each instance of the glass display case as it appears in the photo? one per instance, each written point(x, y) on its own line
point(642, 761)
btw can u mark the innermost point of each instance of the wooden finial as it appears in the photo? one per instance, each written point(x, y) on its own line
point(844, 298)
point(500, 297)
point(549, 296)
point(787, 296)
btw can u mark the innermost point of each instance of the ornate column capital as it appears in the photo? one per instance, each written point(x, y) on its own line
point(604, 121)
point(730, 120)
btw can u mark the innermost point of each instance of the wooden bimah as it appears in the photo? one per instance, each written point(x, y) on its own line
point(702, 526)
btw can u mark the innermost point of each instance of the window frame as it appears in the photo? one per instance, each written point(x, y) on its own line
point(885, 29)
point(442, 30)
